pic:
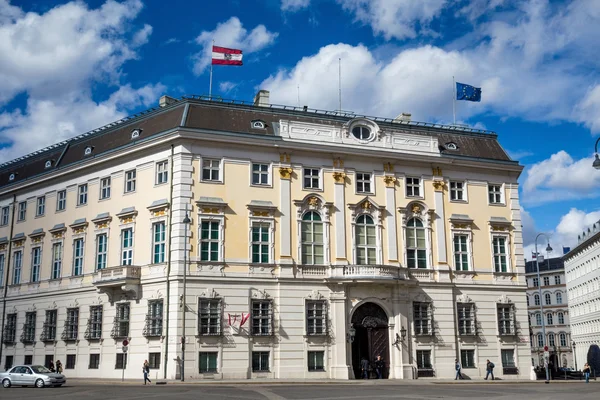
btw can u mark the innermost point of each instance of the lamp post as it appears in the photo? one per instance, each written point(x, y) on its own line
point(596, 163)
point(186, 222)
point(573, 345)
point(537, 263)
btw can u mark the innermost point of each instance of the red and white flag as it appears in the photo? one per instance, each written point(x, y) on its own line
point(225, 56)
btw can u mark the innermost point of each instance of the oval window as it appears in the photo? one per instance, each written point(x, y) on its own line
point(451, 146)
point(361, 132)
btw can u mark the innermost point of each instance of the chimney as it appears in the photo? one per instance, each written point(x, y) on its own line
point(404, 117)
point(166, 101)
point(262, 98)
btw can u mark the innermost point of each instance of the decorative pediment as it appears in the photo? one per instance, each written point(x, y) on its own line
point(416, 209)
point(18, 240)
point(315, 295)
point(504, 299)
point(159, 208)
point(313, 202)
point(127, 215)
point(463, 298)
point(209, 293)
point(211, 205)
point(102, 221)
point(461, 221)
point(260, 294)
point(79, 226)
point(422, 298)
point(3, 243)
point(37, 236)
point(367, 206)
point(58, 231)
point(260, 208)
point(499, 224)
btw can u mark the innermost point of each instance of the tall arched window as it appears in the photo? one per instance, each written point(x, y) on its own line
point(536, 299)
point(548, 299)
point(540, 340)
point(558, 298)
point(551, 341)
point(563, 340)
point(538, 319)
point(527, 297)
point(561, 318)
point(312, 239)
point(366, 240)
point(549, 319)
point(416, 250)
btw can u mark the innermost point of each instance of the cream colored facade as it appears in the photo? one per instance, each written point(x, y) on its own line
point(249, 197)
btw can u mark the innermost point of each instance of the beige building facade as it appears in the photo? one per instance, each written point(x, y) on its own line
point(314, 239)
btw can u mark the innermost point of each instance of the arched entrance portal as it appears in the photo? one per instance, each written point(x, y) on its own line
point(371, 339)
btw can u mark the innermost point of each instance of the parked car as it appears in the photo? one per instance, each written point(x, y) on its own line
point(31, 375)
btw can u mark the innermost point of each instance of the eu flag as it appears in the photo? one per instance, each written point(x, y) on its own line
point(467, 92)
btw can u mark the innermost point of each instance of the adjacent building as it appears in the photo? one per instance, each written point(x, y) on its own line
point(550, 309)
point(582, 266)
point(239, 240)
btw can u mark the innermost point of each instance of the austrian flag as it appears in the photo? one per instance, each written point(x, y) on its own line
point(225, 56)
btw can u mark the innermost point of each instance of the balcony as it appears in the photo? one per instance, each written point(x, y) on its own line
point(119, 281)
point(368, 272)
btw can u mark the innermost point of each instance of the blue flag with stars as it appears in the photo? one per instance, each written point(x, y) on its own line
point(467, 92)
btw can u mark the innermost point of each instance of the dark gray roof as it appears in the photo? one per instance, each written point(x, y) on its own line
point(127, 210)
point(550, 264)
point(79, 221)
point(499, 220)
point(20, 235)
point(461, 217)
point(37, 231)
point(211, 200)
point(261, 204)
point(159, 203)
point(3, 239)
point(101, 216)
point(57, 227)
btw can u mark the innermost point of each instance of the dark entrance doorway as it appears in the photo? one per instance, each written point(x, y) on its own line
point(371, 339)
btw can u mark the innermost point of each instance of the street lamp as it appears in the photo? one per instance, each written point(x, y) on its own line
point(186, 221)
point(537, 263)
point(573, 345)
point(351, 334)
point(596, 163)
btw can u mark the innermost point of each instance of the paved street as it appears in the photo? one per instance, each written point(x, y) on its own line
point(357, 390)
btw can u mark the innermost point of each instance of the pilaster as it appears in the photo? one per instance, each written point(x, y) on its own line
point(340, 368)
point(390, 203)
point(285, 208)
point(340, 217)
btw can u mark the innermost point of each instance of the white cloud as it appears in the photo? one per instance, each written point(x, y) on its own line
point(142, 36)
point(226, 87)
point(519, 154)
point(231, 34)
point(294, 5)
point(8, 13)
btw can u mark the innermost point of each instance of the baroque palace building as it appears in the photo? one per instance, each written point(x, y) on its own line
point(314, 239)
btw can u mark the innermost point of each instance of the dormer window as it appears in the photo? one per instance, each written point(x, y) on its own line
point(136, 133)
point(258, 125)
point(88, 150)
point(361, 132)
point(11, 177)
point(48, 164)
point(451, 146)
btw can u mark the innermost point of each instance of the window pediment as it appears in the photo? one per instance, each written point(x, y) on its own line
point(211, 205)
point(461, 221)
point(367, 206)
point(499, 224)
point(260, 208)
point(313, 202)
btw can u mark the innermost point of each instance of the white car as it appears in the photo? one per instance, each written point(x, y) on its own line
point(31, 375)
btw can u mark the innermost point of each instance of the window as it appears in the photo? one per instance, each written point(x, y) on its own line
point(551, 340)
point(538, 319)
point(10, 330)
point(82, 192)
point(527, 298)
point(260, 174)
point(550, 319)
point(105, 188)
point(261, 317)
point(40, 208)
point(160, 241)
point(211, 170)
point(413, 187)
point(366, 241)
point(154, 360)
point(315, 361)
point(260, 361)
point(22, 211)
point(71, 324)
point(49, 331)
point(316, 317)
point(457, 191)
point(363, 183)
point(162, 172)
point(540, 340)
point(47, 360)
point(547, 299)
point(466, 319)
point(500, 256)
point(209, 241)
point(461, 252)
point(536, 299)
point(121, 324)
point(56, 260)
point(209, 317)
point(61, 200)
point(136, 133)
point(94, 328)
point(558, 298)
point(208, 362)
point(17, 266)
point(311, 178)
point(495, 194)
point(260, 243)
point(561, 318)
point(557, 279)
point(422, 318)
point(94, 361)
point(36, 262)
point(416, 252)
point(5, 215)
point(258, 125)
point(546, 281)
point(29, 328)
point(424, 359)
point(563, 340)
point(154, 319)
point(101, 251)
point(2, 261)
point(508, 358)
point(28, 359)
point(506, 324)
point(130, 177)
point(312, 239)
point(361, 132)
point(88, 151)
point(70, 361)
point(8, 363)
point(536, 282)
point(77, 257)
point(127, 246)
point(467, 358)
point(121, 361)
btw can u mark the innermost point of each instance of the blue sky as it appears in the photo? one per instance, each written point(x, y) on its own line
point(68, 67)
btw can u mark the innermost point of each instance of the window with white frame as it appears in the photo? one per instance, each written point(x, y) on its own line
point(557, 279)
point(506, 319)
point(61, 200)
point(551, 340)
point(94, 330)
point(82, 194)
point(210, 315)
point(536, 282)
point(36, 264)
point(422, 318)
point(540, 340)
point(538, 319)
point(260, 361)
point(130, 180)
point(495, 194)
point(158, 242)
point(547, 299)
point(17, 266)
point(154, 318)
point(312, 178)
point(500, 253)
point(563, 340)
point(121, 322)
point(316, 317)
point(546, 281)
point(261, 242)
point(71, 324)
point(101, 250)
point(211, 170)
point(316, 361)
point(2, 262)
point(366, 240)
point(558, 298)
point(22, 211)
point(561, 318)
point(536, 299)
point(40, 208)
point(364, 182)
point(262, 317)
point(260, 174)
point(467, 358)
point(549, 319)
point(413, 187)
point(210, 231)
point(457, 191)
point(466, 318)
point(127, 246)
point(416, 248)
point(5, 215)
point(461, 252)
point(312, 239)
point(78, 257)
point(57, 260)
point(162, 172)
point(105, 188)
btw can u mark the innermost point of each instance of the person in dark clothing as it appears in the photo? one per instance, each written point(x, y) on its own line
point(489, 367)
point(51, 366)
point(364, 367)
point(59, 367)
point(458, 367)
point(146, 371)
point(379, 366)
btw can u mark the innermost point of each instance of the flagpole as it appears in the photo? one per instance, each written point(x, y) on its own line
point(340, 81)
point(211, 68)
point(454, 99)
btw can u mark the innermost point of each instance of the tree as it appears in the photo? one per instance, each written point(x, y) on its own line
point(593, 358)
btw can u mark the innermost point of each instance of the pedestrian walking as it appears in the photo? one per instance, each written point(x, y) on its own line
point(586, 372)
point(51, 366)
point(489, 367)
point(379, 366)
point(146, 370)
point(364, 367)
point(458, 368)
point(59, 367)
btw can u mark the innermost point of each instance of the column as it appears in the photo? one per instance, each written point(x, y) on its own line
point(285, 208)
point(390, 204)
point(440, 222)
point(340, 368)
point(340, 218)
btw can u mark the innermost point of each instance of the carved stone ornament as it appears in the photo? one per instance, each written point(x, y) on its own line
point(285, 173)
point(389, 180)
point(436, 171)
point(463, 298)
point(209, 294)
point(260, 294)
point(19, 243)
point(416, 209)
point(367, 206)
point(315, 295)
point(284, 158)
point(339, 177)
point(503, 299)
point(3, 247)
point(313, 201)
point(338, 163)
point(438, 186)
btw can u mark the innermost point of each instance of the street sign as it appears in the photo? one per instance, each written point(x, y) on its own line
point(126, 342)
point(124, 348)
